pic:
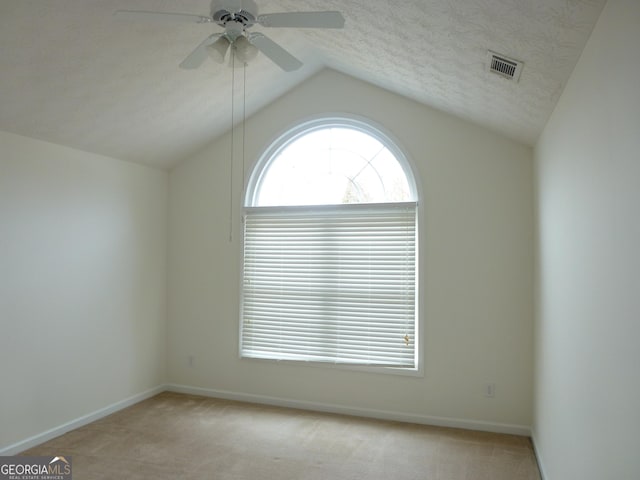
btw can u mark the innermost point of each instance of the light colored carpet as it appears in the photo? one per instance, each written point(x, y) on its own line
point(175, 436)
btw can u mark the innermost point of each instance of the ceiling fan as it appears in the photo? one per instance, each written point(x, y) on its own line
point(237, 17)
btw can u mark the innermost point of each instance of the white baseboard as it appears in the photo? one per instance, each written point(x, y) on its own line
point(79, 422)
point(30, 442)
point(536, 451)
point(521, 430)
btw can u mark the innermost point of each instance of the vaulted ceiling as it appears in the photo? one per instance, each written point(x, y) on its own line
point(71, 73)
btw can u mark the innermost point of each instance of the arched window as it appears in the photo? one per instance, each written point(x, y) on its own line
point(330, 238)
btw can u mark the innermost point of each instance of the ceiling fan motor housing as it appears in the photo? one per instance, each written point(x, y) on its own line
point(244, 12)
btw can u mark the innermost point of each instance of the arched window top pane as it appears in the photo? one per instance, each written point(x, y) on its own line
point(329, 165)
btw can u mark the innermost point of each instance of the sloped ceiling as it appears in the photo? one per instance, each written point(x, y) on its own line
point(73, 74)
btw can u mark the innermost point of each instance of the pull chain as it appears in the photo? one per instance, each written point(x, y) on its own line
point(233, 84)
point(244, 122)
point(244, 119)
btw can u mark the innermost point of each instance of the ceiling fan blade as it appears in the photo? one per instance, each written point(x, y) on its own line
point(162, 16)
point(275, 52)
point(302, 20)
point(199, 54)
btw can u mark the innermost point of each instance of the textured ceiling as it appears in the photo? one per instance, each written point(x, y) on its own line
point(72, 74)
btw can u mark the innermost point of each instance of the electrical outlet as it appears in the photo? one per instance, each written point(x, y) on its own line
point(490, 390)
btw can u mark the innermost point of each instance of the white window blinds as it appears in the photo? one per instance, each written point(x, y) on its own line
point(331, 284)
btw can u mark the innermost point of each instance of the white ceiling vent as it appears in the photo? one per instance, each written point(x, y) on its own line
point(504, 66)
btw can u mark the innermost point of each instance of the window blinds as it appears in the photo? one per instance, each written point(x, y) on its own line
point(331, 284)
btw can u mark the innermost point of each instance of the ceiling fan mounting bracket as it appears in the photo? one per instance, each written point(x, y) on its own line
point(243, 12)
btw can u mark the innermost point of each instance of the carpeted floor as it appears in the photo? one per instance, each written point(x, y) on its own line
point(174, 436)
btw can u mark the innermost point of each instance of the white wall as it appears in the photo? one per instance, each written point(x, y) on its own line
point(82, 284)
point(476, 264)
point(587, 401)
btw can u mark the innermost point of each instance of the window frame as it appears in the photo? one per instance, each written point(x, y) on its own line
point(303, 128)
point(250, 198)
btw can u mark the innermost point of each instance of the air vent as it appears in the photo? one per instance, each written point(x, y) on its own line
point(504, 66)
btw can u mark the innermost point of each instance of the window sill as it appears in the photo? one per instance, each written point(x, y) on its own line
point(407, 372)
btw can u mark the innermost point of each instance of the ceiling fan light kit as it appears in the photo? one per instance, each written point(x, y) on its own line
point(218, 49)
point(245, 51)
point(236, 17)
